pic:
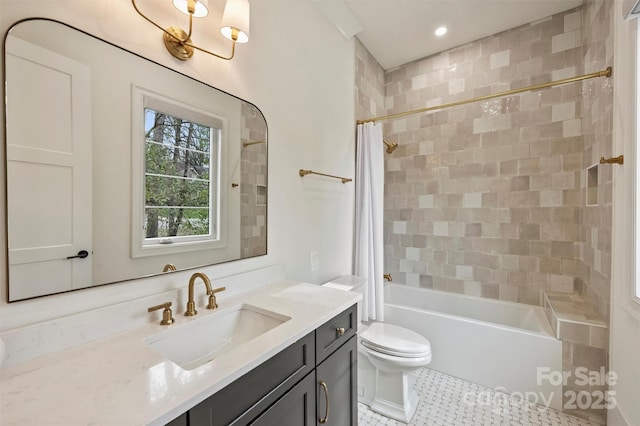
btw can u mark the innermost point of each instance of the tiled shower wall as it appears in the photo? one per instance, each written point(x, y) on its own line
point(597, 128)
point(253, 186)
point(593, 281)
point(369, 84)
point(487, 199)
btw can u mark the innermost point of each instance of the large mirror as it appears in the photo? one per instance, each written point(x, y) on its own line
point(120, 168)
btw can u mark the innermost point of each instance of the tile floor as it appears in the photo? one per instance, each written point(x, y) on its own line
point(449, 401)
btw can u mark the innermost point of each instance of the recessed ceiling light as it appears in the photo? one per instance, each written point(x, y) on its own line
point(440, 31)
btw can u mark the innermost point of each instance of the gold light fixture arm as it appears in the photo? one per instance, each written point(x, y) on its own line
point(178, 42)
point(226, 58)
point(135, 6)
point(190, 27)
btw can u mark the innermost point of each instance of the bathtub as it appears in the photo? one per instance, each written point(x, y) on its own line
point(497, 344)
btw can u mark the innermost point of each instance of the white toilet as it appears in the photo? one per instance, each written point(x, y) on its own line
point(387, 355)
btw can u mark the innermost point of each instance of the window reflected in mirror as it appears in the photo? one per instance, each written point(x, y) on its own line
point(180, 196)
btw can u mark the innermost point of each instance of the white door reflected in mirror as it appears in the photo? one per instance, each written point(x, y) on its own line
point(48, 171)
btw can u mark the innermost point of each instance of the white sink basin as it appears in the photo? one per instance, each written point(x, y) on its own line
point(202, 340)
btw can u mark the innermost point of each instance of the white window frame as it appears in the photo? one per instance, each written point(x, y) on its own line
point(143, 98)
point(634, 291)
point(214, 179)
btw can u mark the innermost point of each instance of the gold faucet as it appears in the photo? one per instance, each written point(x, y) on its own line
point(388, 277)
point(191, 304)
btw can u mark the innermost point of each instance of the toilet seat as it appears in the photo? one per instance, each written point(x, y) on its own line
point(396, 341)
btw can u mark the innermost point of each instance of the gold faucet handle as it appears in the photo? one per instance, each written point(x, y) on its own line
point(212, 297)
point(167, 315)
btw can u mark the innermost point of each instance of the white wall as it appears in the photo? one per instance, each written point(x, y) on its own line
point(625, 321)
point(299, 70)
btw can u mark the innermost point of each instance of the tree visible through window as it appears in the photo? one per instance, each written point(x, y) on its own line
point(179, 172)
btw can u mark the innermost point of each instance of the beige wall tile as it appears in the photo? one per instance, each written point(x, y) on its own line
point(488, 198)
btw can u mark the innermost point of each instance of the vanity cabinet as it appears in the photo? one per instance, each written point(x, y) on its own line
point(336, 370)
point(338, 402)
point(311, 379)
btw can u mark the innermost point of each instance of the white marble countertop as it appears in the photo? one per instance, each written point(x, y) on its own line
point(119, 380)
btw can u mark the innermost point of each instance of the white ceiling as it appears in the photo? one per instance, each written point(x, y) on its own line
point(400, 31)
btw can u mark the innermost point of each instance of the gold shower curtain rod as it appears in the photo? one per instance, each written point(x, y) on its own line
point(604, 73)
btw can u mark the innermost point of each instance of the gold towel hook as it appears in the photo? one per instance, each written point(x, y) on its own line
point(613, 160)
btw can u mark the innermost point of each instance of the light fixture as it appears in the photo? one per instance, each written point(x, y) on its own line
point(234, 26)
point(440, 31)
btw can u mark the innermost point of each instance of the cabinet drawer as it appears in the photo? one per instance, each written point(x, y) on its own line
point(243, 400)
point(331, 335)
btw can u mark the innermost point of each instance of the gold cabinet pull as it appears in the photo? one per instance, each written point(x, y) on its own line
point(340, 331)
point(324, 387)
point(167, 315)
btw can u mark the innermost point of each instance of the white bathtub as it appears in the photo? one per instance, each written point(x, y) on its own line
point(500, 345)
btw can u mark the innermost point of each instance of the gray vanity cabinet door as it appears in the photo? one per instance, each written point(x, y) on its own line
point(242, 401)
point(296, 408)
point(179, 421)
point(336, 383)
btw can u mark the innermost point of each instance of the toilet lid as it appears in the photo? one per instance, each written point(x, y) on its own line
point(394, 340)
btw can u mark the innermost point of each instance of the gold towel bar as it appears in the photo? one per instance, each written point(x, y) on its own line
point(246, 144)
point(613, 160)
point(303, 173)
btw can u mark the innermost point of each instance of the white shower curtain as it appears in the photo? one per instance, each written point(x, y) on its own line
point(369, 244)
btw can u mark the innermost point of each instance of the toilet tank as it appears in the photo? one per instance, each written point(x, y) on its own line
point(350, 283)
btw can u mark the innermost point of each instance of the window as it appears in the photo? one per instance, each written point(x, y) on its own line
point(636, 151)
point(180, 157)
point(180, 184)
